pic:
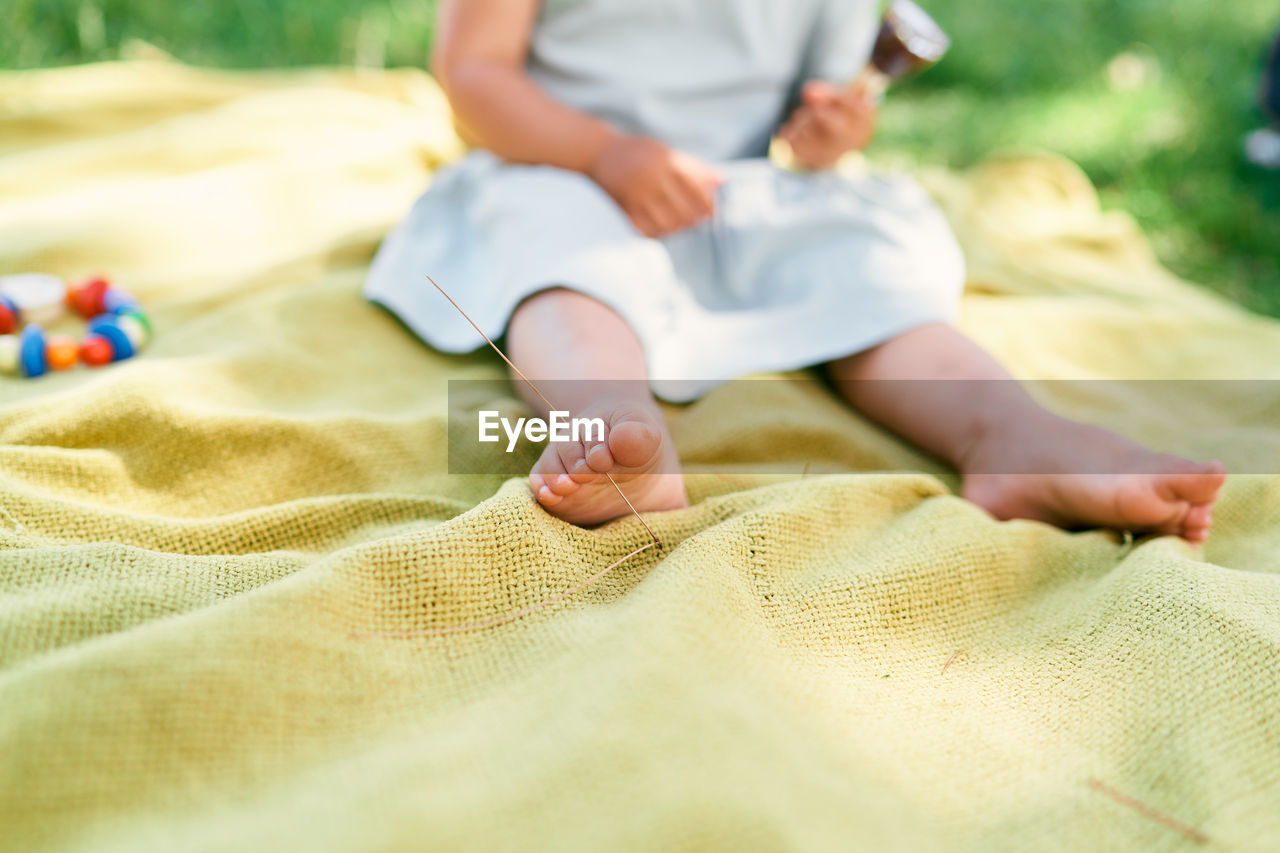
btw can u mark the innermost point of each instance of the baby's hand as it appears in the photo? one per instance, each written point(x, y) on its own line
point(832, 121)
point(661, 189)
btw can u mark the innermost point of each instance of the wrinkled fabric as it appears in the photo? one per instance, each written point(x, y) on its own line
point(194, 545)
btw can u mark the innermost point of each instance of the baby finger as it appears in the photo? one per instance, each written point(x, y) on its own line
point(640, 219)
point(697, 197)
point(663, 218)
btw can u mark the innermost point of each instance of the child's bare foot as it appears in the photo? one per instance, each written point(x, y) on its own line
point(1083, 476)
point(569, 478)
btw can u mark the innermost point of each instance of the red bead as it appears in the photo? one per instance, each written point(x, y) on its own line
point(8, 322)
point(72, 288)
point(86, 300)
point(95, 351)
point(60, 352)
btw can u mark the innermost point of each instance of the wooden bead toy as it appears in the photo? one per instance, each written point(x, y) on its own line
point(95, 351)
point(140, 316)
point(117, 326)
point(8, 315)
point(38, 297)
point(31, 356)
point(135, 330)
point(86, 299)
point(106, 326)
point(61, 352)
point(116, 301)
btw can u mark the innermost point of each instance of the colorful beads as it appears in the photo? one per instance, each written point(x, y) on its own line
point(107, 326)
point(38, 297)
point(8, 315)
point(116, 301)
point(86, 300)
point(138, 315)
point(117, 326)
point(31, 357)
point(95, 351)
point(136, 331)
point(61, 352)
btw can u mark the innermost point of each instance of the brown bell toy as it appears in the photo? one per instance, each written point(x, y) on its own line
point(909, 41)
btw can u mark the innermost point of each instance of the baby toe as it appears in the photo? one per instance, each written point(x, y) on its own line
point(1198, 483)
point(572, 458)
point(633, 443)
point(549, 464)
point(599, 459)
point(582, 473)
point(1197, 523)
point(548, 498)
point(562, 484)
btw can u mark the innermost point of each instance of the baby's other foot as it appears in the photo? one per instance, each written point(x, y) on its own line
point(636, 450)
point(1083, 476)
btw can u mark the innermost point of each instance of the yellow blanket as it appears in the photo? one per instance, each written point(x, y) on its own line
point(858, 660)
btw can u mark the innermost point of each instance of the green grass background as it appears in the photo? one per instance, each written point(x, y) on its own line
point(1151, 97)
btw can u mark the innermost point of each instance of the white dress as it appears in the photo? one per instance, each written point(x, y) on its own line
point(793, 269)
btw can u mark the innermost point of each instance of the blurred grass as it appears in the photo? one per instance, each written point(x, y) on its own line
point(1151, 98)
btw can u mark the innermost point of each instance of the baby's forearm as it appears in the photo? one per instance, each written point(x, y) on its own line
point(499, 108)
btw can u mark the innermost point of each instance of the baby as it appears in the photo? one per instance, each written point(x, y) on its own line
point(622, 222)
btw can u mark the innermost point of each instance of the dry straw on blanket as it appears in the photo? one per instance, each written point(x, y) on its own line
point(1130, 802)
point(542, 605)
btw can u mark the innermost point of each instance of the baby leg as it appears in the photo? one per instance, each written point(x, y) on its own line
point(564, 335)
point(1077, 475)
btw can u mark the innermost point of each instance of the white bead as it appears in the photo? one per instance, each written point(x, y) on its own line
point(40, 298)
point(135, 331)
point(9, 348)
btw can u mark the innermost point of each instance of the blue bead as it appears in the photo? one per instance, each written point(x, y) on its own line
point(106, 326)
point(117, 301)
point(31, 352)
